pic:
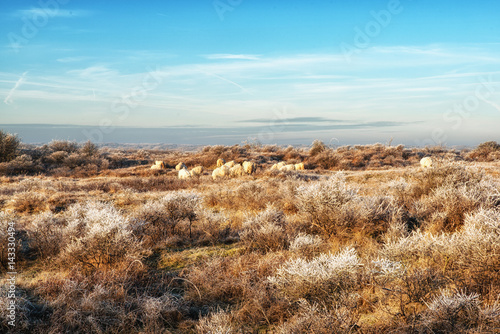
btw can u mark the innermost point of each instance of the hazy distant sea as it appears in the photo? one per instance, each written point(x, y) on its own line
point(44, 133)
point(286, 133)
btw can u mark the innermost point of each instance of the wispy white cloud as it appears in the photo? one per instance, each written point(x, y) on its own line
point(396, 83)
point(232, 56)
point(44, 12)
point(72, 59)
point(97, 71)
point(8, 98)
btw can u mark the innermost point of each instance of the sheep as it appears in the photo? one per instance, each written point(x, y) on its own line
point(236, 170)
point(220, 172)
point(249, 167)
point(197, 171)
point(158, 165)
point(180, 166)
point(230, 164)
point(184, 174)
point(287, 168)
point(220, 162)
point(426, 162)
point(278, 165)
point(299, 166)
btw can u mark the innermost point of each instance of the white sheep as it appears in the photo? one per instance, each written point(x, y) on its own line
point(426, 162)
point(249, 167)
point(278, 165)
point(220, 172)
point(236, 170)
point(299, 166)
point(230, 164)
point(197, 171)
point(184, 174)
point(287, 168)
point(180, 166)
point(220, 162)
point(158, 165)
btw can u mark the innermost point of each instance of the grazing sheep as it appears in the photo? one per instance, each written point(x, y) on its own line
point(220, 172)
point(230, 164)
point(184, 174)
point(180, 166)
point(287, 168)
point(215, 173)
point(159, 165)
point(426, 162)
point(224, 171)
point(278, 165)
point(249, 167)
point(220, 162)
point(299, 166)
point(197, 171)
point(236, 170)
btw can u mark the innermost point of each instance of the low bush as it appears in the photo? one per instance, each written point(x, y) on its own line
point(98, 237)
point(28, 202)
point(159, 219)
point(328, 278)
point(47, 234)
point(220, 322)
point(459, 312)
point(9, 146)
point(265, 232)
point(313, 318)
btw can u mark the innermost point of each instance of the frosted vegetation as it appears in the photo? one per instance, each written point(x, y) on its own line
point(381, 248)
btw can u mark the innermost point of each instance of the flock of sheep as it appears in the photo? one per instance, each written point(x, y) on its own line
point(233, 169)
point(283, 167)
point(223, 169)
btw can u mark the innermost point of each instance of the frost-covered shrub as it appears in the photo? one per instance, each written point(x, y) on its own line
point(63, 145)
point(29, 202)
point(266, 231)
point(217, 323)
point(313, 318)
point(98, 235)
point(157, 220)
point(323, 277)
point(212, 226)
point(158, 311)
point(338, 210)
point(470, 254)
point(9, 146)
point(46, 234)
point(453, 312)
point(57, 157)
point(306, 244)
point(331, 204)
point(387, 268)
point(446, 206)
point(476, 250)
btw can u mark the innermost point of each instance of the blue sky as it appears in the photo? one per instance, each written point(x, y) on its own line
point(421, 72)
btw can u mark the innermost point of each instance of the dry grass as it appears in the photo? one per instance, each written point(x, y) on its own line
point(105, 245)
